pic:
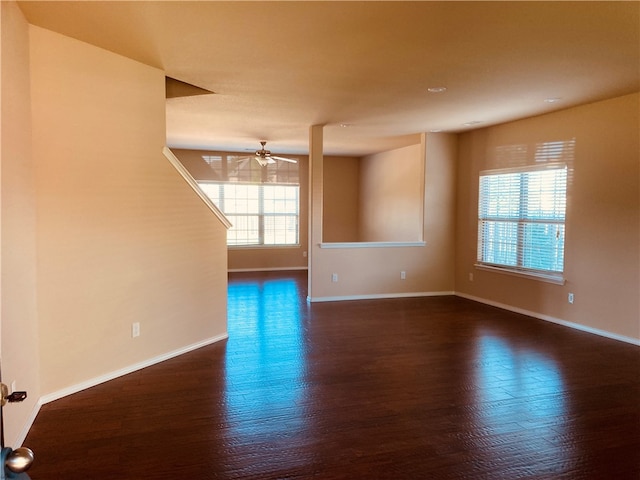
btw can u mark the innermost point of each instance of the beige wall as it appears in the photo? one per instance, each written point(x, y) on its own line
point(19, 326)
point(341, 199)
point(258, 258)
point(391, 195)
point(375, 271)
point(602, 250)
point(121, 237)
point(377, 198)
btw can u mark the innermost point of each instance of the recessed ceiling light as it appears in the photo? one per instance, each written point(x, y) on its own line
point(552, 100)
point(346, 125)
point(473, 122)
point(436, 89)
point(435, 130)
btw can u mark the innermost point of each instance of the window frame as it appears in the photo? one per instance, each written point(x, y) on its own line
point(261, 213)
point(521, 221)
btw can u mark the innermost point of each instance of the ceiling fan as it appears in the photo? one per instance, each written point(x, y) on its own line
point(264, 157)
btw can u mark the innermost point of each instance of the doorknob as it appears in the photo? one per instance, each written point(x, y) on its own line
point(13, 463)
point(16, 462)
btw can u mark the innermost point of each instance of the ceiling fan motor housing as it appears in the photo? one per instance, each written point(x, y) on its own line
point(263, 156)
point(262, 152)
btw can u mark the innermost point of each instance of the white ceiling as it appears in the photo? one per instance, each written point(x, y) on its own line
point(279, 67)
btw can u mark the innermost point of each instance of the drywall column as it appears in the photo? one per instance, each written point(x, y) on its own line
point(373, 269)
point(316, 165)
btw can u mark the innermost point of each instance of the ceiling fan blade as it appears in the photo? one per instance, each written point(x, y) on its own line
point(290, 160)
point(263, 161)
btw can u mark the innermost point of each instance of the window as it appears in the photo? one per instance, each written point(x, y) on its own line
point(262, 203)
point(521, 220)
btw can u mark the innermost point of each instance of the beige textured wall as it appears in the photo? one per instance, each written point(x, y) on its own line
point(259, 258)
point(375, 271)
point(341, 199)
point(602, 250)
point(121, 237)
point(391, 196)
point(19, 327)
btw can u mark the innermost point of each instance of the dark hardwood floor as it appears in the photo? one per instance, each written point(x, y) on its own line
point(413, 388)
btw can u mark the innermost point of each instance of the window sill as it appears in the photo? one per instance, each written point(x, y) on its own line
point(555, 279)
point(242, 247)
point(371, 244)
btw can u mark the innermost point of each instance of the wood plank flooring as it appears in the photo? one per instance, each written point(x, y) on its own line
point(412, 388)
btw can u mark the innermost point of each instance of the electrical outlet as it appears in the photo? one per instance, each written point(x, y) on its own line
point(135, 329)
point(471, 276)
point(334, 277)
point(403, 275)
point(570, 298)
point(304, 254)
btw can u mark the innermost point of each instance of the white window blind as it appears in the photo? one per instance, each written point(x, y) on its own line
point(521, 219)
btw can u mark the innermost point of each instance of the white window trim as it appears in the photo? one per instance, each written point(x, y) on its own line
point(370, 244)
point(557, 279)
point(256, 246)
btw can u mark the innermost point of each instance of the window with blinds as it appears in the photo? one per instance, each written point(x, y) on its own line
point(521, 220)
point(262, 203)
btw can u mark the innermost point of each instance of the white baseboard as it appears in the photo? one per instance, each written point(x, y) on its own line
point(274, 269)
point(50, 397)
point(548, 318)
point(27, 426)
point(377, 296)
point(128, 369)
